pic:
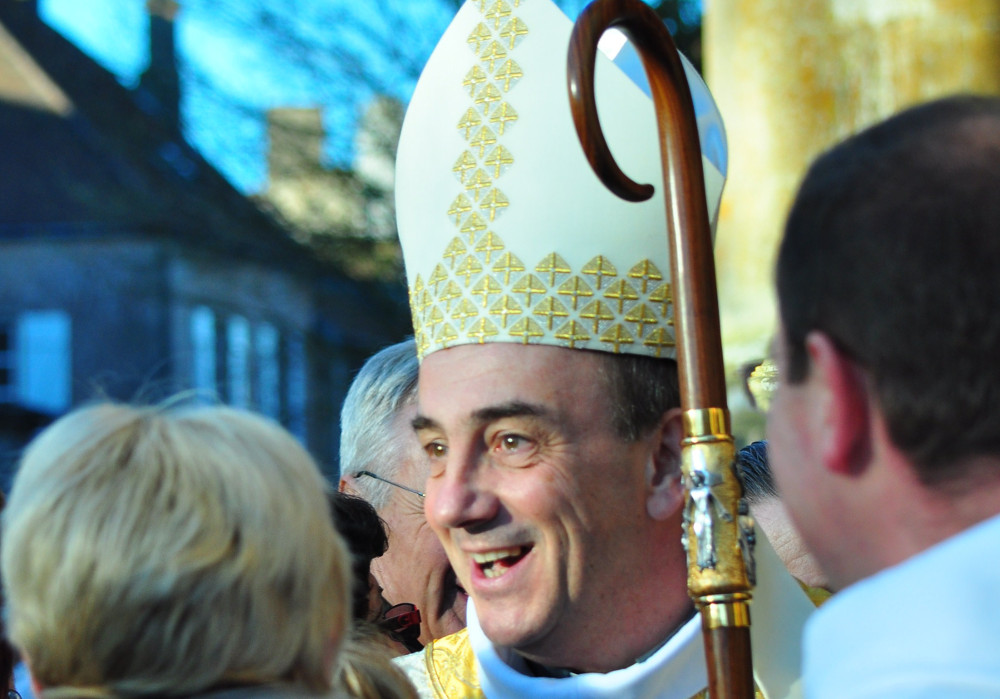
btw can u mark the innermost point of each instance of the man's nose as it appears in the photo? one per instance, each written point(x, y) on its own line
point(461, 497)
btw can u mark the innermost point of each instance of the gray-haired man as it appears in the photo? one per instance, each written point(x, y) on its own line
point(381, 461)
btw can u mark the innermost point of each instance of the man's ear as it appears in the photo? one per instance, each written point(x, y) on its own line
point(663, 471)
point(842, 409)
point(347, 485)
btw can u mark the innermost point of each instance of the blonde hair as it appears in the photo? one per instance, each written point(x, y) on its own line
point(365, 669)
point(168, 550)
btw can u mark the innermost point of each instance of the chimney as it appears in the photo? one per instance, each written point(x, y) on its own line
point(375, 143)
point(296, 142)
point(160, 83)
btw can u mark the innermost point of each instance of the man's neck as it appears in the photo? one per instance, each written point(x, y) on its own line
point(536, 665)
point(539, 670)
point(916, 516)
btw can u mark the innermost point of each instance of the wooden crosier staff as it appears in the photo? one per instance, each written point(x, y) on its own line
point(716, 537)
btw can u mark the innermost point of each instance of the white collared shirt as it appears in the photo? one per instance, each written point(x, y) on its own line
point(928, 627)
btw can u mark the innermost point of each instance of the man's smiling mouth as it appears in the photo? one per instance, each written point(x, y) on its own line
point(493, 564)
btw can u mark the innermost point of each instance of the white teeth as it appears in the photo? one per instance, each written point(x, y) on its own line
point(492, 572)
point(491, 556)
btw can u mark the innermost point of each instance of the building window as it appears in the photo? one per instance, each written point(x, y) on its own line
point(267, 363)
point(244, 359)
point(256, 366)
point(204, 372)
point(36, 362)
point(296, 389)
point(238, 361)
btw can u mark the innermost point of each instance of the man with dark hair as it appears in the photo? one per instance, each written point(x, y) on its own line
point(884, 431)
point(755, 472)
point(364, 533)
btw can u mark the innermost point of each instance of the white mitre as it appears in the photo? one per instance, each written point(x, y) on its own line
point(507, 234)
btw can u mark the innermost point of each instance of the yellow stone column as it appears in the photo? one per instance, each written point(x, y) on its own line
point(794, 76)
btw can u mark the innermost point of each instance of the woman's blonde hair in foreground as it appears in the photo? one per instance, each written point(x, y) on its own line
point(169, 550)
point(365, 669)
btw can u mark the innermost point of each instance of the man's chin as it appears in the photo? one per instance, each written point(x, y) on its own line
point(511, 628)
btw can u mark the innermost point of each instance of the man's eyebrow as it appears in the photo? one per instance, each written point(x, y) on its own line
point(511, 409)
point(423, 423)
point(489, 414)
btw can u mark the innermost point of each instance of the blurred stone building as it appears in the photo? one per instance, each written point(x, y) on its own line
point(130, 268)
point(346, 215)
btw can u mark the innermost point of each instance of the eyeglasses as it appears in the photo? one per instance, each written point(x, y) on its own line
point(13, 694)
point(402, 622)
point(400, 617)
point(358, 474)
point(761, 382)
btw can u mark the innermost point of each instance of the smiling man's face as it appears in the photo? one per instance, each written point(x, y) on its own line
point(540, 505)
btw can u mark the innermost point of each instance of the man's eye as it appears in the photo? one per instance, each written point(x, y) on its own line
point(511, 442)
point(514, 450)
point(437, 454)
point(436, 450)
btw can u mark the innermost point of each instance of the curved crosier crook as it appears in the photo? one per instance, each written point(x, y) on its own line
point(696, 303)
point(718, 539)
point(591, 25)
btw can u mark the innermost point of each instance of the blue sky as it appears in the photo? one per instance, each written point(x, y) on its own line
point(229, 78)
point(233, 68)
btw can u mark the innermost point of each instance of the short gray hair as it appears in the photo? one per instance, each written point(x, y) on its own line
point(167, 550)
point(385, 385)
